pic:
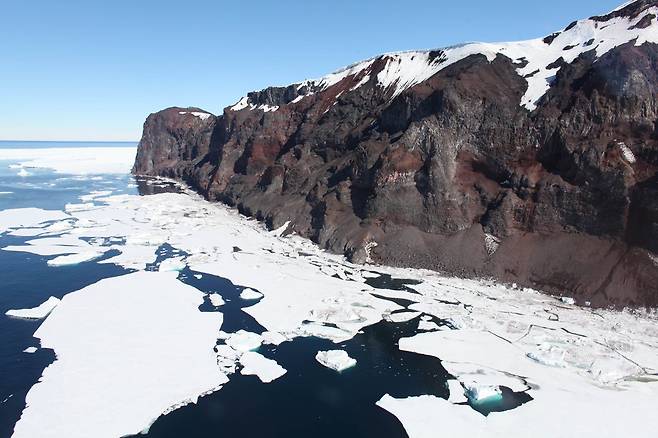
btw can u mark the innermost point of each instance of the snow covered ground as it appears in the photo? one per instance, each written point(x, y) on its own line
point(576, 363)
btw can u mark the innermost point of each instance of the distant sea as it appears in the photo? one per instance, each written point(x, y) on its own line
point(19, 144)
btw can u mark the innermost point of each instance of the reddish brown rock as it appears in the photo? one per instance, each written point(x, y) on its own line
point(452, 174)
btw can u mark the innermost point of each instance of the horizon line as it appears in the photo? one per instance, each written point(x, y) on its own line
point(70, 141)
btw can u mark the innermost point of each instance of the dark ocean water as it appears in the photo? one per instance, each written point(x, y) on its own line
point(309, 400)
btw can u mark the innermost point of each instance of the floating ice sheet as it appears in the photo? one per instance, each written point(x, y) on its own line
point(38, 312)
point(266, 369)
point(117, 371)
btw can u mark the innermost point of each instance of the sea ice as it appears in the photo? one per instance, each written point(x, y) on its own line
point(250, 294)
point(28, 217)
point(266, 369)
point(427, 326)
point(609, 356)
point(74, 259)
point(273, 338)
point(172, 264)
point(216, 300)
point(337, 360)
point(30, 350)
point(117, 371)
point(401, 316)
point(39, 312)
point(456, 392)
point(244, 341)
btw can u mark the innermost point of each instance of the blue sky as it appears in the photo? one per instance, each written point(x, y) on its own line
point(93, 70)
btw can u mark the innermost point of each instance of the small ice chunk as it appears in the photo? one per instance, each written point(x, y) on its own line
point(482, 393)
point(568, 300)
point(30, 350)
point(216, 300)
point(266, 369)
point(337, 360)
point(23, 172)
point(250, 294)
point(39, 312)
point(198, 276)
point(172, 264)
point(244, 341)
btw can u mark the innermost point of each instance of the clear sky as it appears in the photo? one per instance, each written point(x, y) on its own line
point(93, 69)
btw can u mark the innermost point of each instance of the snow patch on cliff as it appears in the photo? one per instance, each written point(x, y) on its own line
point(202, 116)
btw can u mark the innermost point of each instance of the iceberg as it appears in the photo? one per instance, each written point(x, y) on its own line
point(480, 394)
point(337, 360)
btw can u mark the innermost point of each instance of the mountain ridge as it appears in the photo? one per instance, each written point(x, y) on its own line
point(537, 168)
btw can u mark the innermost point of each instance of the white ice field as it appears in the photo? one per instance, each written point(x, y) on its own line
point(591, 373)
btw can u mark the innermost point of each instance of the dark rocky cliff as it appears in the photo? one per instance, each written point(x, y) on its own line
point(455, 169)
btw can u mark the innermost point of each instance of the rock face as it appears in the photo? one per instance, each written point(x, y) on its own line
point(531, 162)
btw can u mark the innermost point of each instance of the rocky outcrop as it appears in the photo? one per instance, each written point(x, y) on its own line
point(530, 162)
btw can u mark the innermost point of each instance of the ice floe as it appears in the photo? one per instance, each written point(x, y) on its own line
point(337, 360)
point(250, 294)
point(216, 300)
point(30, 350)
point(401, 316)
point(172, 264)
point(117, 371)
point(38, 312)
point(244, 341)
point(27, 217)
point(74, 259)
point(256, 364)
